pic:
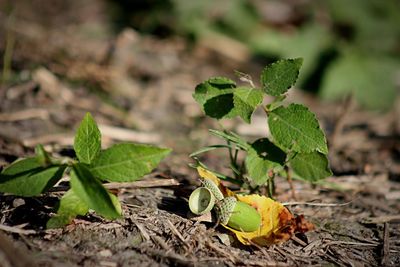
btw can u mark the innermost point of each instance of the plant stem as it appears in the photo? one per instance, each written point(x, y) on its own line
point(289, 179)
point(271, 187)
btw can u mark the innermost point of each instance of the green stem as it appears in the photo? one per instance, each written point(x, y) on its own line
point(271, 187)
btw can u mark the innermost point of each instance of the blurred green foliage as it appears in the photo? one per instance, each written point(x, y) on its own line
point(349, 47)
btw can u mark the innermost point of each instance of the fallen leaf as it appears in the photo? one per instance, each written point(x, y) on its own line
point(278, 224)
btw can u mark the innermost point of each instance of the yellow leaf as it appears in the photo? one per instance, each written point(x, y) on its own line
point(277, 223)
point(206, 174)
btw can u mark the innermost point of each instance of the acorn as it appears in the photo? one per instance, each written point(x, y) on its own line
point(238, 215)
point(201, 201)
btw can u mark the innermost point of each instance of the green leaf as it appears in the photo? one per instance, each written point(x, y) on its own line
point(42, 156)
point(279, 76)
point(127, 162)
point(87, 143)
point(92, 192)
point(295, 128)
point(27, 177)
point(209, 148)
point(220, 98)
point(262, 157)
point(311, 166)
point(211, 88)
point(70, 206)
point(245, 101)
point(231, 137)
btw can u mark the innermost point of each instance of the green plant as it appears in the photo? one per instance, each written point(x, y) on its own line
point(296, 141)
point(120, 163)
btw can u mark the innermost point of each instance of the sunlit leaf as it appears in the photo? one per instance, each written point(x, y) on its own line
point(127, 162)
point(311, 167)
point(262, 157)
point(92, 192)
point(27, 177)
point(279, 76)
point(295, 128)
point(87, 143)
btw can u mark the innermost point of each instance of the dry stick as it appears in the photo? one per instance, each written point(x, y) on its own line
point(349, 235)
point(385, 248)
point(177, 233)
point(143, 184)
point(62, 139)
point(337, 242)
point(13, 229)
point(124, 134)
point(154, 182)
point(176, 258)
point(382, 219)
point(142, 230)
point(26, 114)
point(231, 257)
point(316, 204)
point(298, 240)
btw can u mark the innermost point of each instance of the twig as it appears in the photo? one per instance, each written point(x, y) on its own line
point(143, 184)
point(26, 114)
point(229, 255)
point(161, 242)
point(385, 248)
point(382, 219)
point(298, 240)
point(62, 139)
point(349, 235)
point(337, 242)
point(316, 204)
point(177, 233)
point(123, 134)
point(176, 258)
point(142, 230)
point(17, 230)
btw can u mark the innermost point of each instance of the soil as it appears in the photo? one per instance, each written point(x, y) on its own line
point(138, 87)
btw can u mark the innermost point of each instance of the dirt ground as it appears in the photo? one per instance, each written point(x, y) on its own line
point(139, 87)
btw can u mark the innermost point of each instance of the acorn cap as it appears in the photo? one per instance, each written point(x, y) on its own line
point(201, 201)
point(213, 188)
point(238, 215)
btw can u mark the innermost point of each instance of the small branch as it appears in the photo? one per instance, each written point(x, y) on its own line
point(143, 184)
point(385, 248)
point(316, 204)
point(177, 233)
point(17, 230)
point(31, 113)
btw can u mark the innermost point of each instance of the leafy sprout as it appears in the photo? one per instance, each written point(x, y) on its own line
point(296, 145)
point(120, 163)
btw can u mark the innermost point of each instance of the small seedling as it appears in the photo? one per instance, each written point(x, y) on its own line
point(123, 162)
point(296, 146)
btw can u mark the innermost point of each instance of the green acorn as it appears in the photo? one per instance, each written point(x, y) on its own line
point(238, 215)
point(201, 201)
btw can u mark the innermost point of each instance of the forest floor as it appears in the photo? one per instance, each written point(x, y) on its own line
point(139, 88)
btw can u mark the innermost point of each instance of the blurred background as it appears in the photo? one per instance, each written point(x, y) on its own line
point(134, 64)
point(348, 47)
